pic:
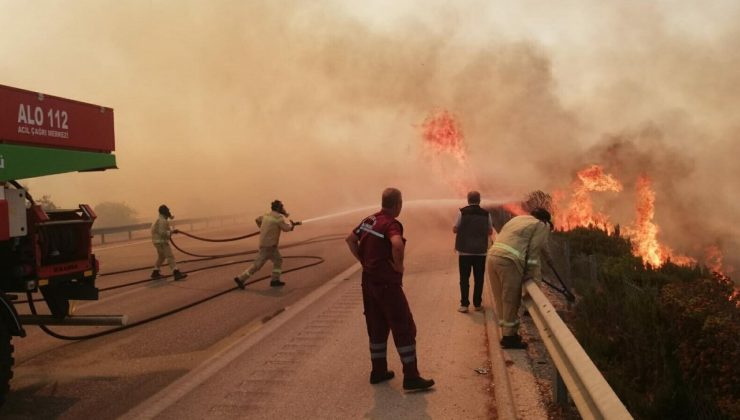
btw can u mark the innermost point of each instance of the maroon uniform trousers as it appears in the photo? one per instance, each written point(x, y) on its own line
point(386, 310)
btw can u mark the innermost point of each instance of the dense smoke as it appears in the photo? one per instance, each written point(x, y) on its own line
point(224, 106)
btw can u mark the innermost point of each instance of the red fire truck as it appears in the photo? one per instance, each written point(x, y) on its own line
point(46, 251)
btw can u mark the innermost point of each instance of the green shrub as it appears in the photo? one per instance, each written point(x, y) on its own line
point(114, 214)
point(665, 339)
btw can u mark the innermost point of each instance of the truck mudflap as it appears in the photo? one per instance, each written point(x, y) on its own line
point(9, 317)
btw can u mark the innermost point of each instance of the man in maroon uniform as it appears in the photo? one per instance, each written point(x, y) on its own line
point(378, 244)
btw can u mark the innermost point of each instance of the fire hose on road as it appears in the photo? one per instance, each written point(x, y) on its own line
point(317, 261)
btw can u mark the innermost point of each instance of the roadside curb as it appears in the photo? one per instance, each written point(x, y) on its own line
point(168, 396)
point(505, 405)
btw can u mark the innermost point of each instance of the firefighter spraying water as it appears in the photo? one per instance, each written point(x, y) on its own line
point(271, 225)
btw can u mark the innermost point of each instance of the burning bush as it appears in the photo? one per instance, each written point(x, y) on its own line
point(665, 338)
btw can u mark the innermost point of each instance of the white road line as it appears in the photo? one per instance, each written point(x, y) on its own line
point(168, 396)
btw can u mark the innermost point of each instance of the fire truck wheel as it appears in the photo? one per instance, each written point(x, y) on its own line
point(6, 362)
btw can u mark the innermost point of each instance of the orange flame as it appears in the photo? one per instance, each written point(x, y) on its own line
point(580, 211)
point(514, 208)
point(443, 136)
point(644, 231)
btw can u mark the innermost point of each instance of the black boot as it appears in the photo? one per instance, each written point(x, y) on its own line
point(239, 283)
point(179, 275)
point(513, 342)
point(156, 275)
point(277, 283)
point(417, 383)
point(378, 377)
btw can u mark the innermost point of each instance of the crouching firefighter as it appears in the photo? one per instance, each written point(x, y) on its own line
point(271, 225)
point(378, 244)
point(161, 232)
point(513, 259)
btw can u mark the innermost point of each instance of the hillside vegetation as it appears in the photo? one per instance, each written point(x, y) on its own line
point(666, 338)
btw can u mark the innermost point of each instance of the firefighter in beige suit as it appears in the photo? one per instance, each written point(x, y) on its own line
point(271, 225)
point(161, 232)
point(522, 238)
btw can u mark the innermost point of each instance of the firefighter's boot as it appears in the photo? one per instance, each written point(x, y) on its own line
point(156, 275)
point(378, 377)
point(513, 342)
point(276, 283)
point(416, 384)
point(179, 275)
point(239, 283)
point(380, 372)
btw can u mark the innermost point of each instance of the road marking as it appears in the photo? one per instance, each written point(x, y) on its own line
point(168, 396)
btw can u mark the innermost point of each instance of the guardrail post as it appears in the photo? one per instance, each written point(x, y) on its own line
point(102, 238)
point(559, 390)
point(129, 234)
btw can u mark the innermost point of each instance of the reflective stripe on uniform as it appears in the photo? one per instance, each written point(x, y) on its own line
point(378, 350)
point(276, 271)
point(507, 248)
point(405, 349)
point(408, 359)
point(514, 252)
point(506, 324)
point(378, 346)
point(368, 229)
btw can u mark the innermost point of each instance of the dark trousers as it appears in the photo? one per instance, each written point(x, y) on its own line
point(387, 310)
point(478, 265)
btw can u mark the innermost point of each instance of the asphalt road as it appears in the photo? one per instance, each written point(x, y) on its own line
point(105, 377)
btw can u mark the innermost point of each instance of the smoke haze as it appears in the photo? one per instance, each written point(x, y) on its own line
point(223, 106)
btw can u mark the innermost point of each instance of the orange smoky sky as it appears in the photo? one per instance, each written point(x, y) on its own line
point(223, 106)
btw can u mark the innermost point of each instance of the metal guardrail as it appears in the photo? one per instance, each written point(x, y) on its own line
point(592, 395)
point(175, 223)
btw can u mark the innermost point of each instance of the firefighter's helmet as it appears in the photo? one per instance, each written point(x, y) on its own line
point(165, 211)
point(278, 206)
point(543, 215)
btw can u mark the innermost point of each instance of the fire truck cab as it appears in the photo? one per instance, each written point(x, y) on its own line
point(49, 251)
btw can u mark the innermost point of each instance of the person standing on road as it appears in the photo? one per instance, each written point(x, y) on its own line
point(161, 232)
point(378, 244)
point(473, 231)
point(513, 259)
point(271, 225)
